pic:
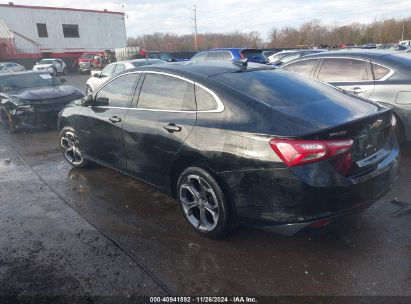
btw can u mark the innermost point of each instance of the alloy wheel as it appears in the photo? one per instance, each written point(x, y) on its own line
point(70, 146)
point(199, 202)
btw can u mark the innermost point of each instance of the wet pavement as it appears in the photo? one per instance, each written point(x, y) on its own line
point(42, 197)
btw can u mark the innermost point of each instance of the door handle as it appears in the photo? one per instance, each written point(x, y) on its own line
point(357, 90)
point(115, 119)
point(171, 127)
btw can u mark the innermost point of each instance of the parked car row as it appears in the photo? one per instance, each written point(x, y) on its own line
point(235, 141)
point(376, 75)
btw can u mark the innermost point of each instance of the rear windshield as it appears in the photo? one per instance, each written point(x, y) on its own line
point(254, 55)
point(278, 88)
point(46, 61)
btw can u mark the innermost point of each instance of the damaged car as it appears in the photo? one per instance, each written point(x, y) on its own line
point(238, 143)
point(32, 100)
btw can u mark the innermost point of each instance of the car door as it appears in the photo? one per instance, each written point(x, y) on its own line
point(99, 127)
point(154, 131)
point(350, 74)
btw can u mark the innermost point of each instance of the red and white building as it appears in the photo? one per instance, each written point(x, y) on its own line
point(39, 31)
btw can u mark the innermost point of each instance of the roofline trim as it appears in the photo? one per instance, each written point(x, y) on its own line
point(61, 9)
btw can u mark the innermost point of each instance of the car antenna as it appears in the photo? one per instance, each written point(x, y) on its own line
point(242, 63)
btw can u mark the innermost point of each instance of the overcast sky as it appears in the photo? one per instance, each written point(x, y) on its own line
point(145, 17)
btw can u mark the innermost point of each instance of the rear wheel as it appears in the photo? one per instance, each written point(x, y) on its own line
point(203, 202)
point(71, 148)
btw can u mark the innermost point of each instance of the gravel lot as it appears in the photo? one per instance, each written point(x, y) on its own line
point(97, 232)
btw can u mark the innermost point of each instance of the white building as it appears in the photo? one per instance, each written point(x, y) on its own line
point(62, 32)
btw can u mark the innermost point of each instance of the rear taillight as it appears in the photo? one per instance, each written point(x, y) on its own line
point(299, 152)
point(242, 56)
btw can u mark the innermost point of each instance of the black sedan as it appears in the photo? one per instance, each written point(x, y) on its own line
point(237, 144)
point(30, 100)
point(383, 76)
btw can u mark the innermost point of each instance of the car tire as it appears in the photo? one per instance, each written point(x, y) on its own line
point(203, 202)
point(54, 72)
point(70, 147)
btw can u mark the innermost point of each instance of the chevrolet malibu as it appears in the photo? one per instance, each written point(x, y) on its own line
point(237, 144)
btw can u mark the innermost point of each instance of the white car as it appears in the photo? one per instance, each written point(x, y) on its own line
point(7, 67)
point(99, 77)
point(52, 65)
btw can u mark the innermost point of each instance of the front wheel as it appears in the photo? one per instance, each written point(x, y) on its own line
point(7, 120)
point(71, 148)
point(203, 202)
point(89, 91)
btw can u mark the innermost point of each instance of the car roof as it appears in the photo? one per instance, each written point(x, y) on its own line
point(357, 53)
point(233, 49)
point(204, 69)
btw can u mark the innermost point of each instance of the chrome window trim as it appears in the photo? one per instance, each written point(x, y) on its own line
point(219, 109)
point(390, 73)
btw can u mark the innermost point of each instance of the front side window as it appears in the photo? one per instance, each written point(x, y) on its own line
point(348, 70)
point(70, 31)
point(119, 92)
point(379, 71)
point(42, 30)
point(303, 67)
point(162, 92)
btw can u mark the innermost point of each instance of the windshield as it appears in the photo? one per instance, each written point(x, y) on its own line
point(15, 83)
point(87, 56)
point(46, 61)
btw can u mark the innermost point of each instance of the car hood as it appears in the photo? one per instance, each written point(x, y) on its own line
point(44, 93)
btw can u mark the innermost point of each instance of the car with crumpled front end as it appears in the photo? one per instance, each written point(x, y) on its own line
point(32, 100)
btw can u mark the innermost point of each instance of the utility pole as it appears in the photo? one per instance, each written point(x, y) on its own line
point(195, 26)
point(403, 26)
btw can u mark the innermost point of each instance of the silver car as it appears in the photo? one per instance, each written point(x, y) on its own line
point(7, 67)
point(383, 76)
point(99, 77)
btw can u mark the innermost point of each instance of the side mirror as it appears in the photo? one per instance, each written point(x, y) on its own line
point(96, 74)
point(62, 80)
point(102, 101)
point(36, 63)
point(87, 100)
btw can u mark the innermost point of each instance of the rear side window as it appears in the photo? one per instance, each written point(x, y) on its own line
point(162, 92)
point(303, 67)
point(227, 56)
point(379, 71)
point(119, 91)
point(348, 70)
point(205, 101)
point(215, 56)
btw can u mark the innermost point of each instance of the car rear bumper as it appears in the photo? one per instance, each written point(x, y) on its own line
point(288, 200)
